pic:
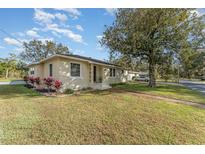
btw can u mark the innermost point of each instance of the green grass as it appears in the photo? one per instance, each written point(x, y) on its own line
point(100, 117)
point(170, 91)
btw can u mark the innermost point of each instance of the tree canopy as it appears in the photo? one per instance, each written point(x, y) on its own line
point(11, 67)
point(153, 34)
point(36, 50)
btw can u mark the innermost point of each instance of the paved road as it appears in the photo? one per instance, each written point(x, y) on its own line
point(13, 82)
point(199, 86)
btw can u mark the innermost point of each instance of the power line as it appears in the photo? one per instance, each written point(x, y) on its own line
point(2, 30)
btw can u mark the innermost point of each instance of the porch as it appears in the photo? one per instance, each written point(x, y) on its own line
point(97, 76)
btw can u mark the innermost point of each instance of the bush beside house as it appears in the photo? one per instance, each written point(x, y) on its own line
point(45, 85)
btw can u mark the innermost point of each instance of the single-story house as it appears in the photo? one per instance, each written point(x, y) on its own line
point(133, 74)
point(77, 72)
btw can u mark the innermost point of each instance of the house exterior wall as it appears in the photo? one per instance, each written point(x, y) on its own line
point(55, 65)
point(62, 69)
point(38, 71)
point(120, 76)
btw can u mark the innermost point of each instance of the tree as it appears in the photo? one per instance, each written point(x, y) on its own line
point(8, 66)
point(192, 62)
point(35, 50)
point(151, 33)
point(165, 67)
point(135, 64)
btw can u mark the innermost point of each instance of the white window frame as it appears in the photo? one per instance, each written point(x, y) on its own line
point(80, 70)
point(112, 69)
point(32, 70)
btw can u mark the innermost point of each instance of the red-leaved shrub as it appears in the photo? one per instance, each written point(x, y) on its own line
point(37, 80)
point(31, 80)
point(48, 82)
point(57, 84)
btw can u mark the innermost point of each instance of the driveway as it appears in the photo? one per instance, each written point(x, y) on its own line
point(196, 85)
point(15, 82)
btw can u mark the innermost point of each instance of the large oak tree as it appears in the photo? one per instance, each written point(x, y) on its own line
point(152, 33)
point(36, 50)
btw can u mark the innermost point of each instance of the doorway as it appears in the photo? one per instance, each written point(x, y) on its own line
point(94, 73)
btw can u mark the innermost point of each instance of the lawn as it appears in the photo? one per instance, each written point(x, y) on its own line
point(95, 118)
point(170, 91)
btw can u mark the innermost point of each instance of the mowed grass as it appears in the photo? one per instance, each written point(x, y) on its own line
point(170, 91)
point(96, 118)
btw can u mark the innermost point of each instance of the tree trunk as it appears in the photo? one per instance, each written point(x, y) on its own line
point(152, 75)
point(7, 73)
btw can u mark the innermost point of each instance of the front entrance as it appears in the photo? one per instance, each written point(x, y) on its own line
point(94, 73)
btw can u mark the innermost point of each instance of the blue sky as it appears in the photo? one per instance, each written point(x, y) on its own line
point(79, 29)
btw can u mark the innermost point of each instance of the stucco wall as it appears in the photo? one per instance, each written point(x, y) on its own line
point(38, 71)
point(55, 65)
point(120, 76)
point(62, 69)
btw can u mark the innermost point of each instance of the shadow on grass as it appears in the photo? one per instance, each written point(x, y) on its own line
point(170, 91)
point(14, 91)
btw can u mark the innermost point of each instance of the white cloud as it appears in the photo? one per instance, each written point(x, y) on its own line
point(1, 47)
point(79, 27)
point(99, 37)
point(32, 33)
point(56, 34)
point(46, 20)
point(66, 32)
point(43, 17)
point(35, 29)
point(20, 34)
point(111, 11)
point(62, 17)
point(79, 52)
point(12, 41)
point(74, 13)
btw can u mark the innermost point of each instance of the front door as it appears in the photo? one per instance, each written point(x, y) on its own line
point(94, 73)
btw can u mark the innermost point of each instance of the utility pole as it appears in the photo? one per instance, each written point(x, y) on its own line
point(178, 73)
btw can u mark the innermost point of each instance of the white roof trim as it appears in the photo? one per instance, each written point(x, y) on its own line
point(74, 58)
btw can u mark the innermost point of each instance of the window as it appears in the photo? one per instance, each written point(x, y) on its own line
point(75, 70)
point(32, 71)
point(50, 69)
point(112, 72)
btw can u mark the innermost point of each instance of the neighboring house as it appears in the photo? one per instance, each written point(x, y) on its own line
point(132, 75)
point(77, 72)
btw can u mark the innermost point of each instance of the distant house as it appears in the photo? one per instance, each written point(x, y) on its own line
point(133, 75)
point(77, 72)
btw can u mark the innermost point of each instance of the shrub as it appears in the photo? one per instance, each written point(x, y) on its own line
point(31, 80)
point(37, 80)
point(48, 82)
point(87, 88)
point(69, 91)
point(57, 84)
point(117, 84)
